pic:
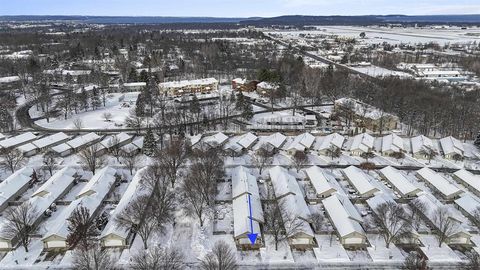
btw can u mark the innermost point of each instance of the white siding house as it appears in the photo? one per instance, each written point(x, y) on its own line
point(436, 181)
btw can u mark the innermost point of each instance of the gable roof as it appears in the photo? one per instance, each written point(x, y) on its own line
point(399, 181)
point(319, 180)
point(392, 143)
point(439, 182)
point(359, 180)
point(243, 182)
point(450, 145)
point(363, 142)
point(341, 218)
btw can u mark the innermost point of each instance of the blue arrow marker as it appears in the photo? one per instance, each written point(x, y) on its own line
point(252, 236)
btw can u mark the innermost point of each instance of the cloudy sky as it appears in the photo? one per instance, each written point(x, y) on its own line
point(237, 8)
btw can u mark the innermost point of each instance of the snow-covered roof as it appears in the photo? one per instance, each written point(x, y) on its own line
point(247, 140)
point(50, 140)
point(266, 85)
point(319, 180)
point(333, 139)
point(241, 214)
point(10, 186)
point(57, 183)
point(439, 182)
point(352, 211)
point(133, 190)
point(239, 80)
point(138, 142)
point(379, 199)
point(76, 72)
point(295, 205)
point(27, 147)
point(432, 205)
point(399, 181)
point(116, 139)
point(135, 84)
point(392, 143)
point(276, 139)
point(302, 142)
point(468, 203)
point(50, 191)
point(185, 83)
point(283, 182)
point(341, 219)
point(9, 79)
point(359, 180)
point(17, 140)
point(101, 181)
point(83, 140)
point(421, 144)
point(61, 148)
point(361, 109)
point(243, 182)
point(471, 179)
point(363, 142)
point(450, 145)
point(216, 139)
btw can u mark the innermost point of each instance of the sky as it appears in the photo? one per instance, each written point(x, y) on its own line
point(237, 8)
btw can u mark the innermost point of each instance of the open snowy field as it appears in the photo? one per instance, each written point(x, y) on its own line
point(377, 34)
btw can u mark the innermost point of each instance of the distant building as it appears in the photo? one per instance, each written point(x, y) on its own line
point(243, 85)
point(179, 88)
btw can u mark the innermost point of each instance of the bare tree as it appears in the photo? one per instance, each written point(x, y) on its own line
point(158, 258)
point(107, 116)
point(197, 203)
point(417, 208)
point(172, 156)
point(446, 226)
point(367, 156)
point(130, 160)
point(334, 152)
point(430, 154)
point(82, 230)
point(20, 223)
point(476, 217)
point(134, 121)
point(162, 199)
point(13, 159)
point(77, 123)
point(414, 261)
point(472, 262)
point(221, 257)
point(90, 159)
point(49, 163)
point(300, 159)
point(135, 216)
point(317, 221)
point(393, 222)
point(279, 222)
point(114, 147)
point(263, 157)
point(94, 258)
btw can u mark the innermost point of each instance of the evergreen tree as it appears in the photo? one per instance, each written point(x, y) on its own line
point(6, 120)
point(195, 106)
point(240, 104)
point(95, 99)
point(140, 105)
point(83, 99)
point(133, 75)
point(149, 143)
point(247, 111)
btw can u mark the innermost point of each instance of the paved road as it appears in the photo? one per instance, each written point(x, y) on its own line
point(320, 58)
point(28, 124)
